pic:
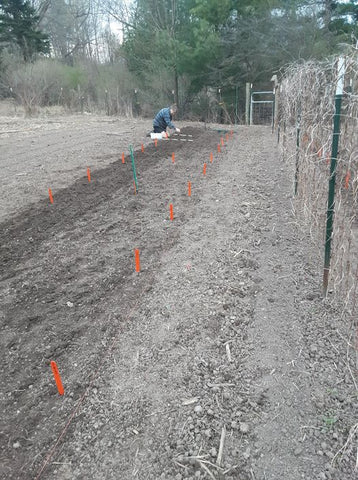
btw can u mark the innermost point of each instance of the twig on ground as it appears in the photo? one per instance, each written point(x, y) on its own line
point(213, 385)
point(190, 401)
point(10, 131)
point(186, 421)
point(230, 469)
point(221, 447)
point(117, 134)
point(181, 465)
point(228, 353)
point(211, 464)
point(352, 432)
point(217, 401)
point(204, 467)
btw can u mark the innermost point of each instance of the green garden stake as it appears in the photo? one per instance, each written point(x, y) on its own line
point(133, 168)
point(332, 177)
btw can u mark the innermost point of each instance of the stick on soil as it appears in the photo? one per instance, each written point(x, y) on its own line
point(221, 447)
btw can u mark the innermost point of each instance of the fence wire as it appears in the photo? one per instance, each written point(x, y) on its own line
point(306, 110)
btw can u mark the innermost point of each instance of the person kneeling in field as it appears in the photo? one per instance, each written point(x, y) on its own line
point(163, 119)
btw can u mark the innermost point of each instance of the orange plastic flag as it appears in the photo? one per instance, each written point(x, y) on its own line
point(346, 180)
point(58, 381)
point(137, 260)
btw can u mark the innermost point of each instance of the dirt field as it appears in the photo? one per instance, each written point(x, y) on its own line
point(219, 360)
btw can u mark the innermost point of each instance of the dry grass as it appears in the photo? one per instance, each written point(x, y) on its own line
point(307, 106)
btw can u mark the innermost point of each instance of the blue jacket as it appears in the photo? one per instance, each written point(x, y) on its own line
point(163, 119)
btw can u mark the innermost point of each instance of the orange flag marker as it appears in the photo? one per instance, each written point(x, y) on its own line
point(219, 148)
point(222, 141)
point(346, 180)
point(137, 260)
point(173, 157)
point(89, 174)
point(171, 211)
point(211, 157)
point(58, 381)
point(123, 158)
point(50, 195)
point(204, 169)
point(189, 189)
point(142, 148)
point(155, 142)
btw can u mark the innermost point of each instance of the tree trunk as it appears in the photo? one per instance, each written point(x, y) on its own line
point(176, 89)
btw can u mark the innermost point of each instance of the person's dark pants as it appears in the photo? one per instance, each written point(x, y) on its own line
point(158, 129)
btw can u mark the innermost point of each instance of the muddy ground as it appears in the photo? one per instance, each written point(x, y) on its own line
point(218, 360)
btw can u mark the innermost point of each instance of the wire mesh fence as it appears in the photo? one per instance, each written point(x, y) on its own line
point(262, 114)
point(307, 112)
point(261, 108)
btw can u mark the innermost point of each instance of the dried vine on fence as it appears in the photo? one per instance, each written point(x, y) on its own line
point(307, 107)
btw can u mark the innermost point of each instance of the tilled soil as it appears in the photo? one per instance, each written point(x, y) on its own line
point(219, 359)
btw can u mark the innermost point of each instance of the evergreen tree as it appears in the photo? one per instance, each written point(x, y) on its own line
point(344, 20)
point(19, 27)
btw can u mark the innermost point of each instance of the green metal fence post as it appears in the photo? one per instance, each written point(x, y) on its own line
point(247, 104)
point(133, 168)
point(332, 178)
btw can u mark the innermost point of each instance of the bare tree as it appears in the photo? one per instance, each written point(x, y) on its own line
point(75, 27)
